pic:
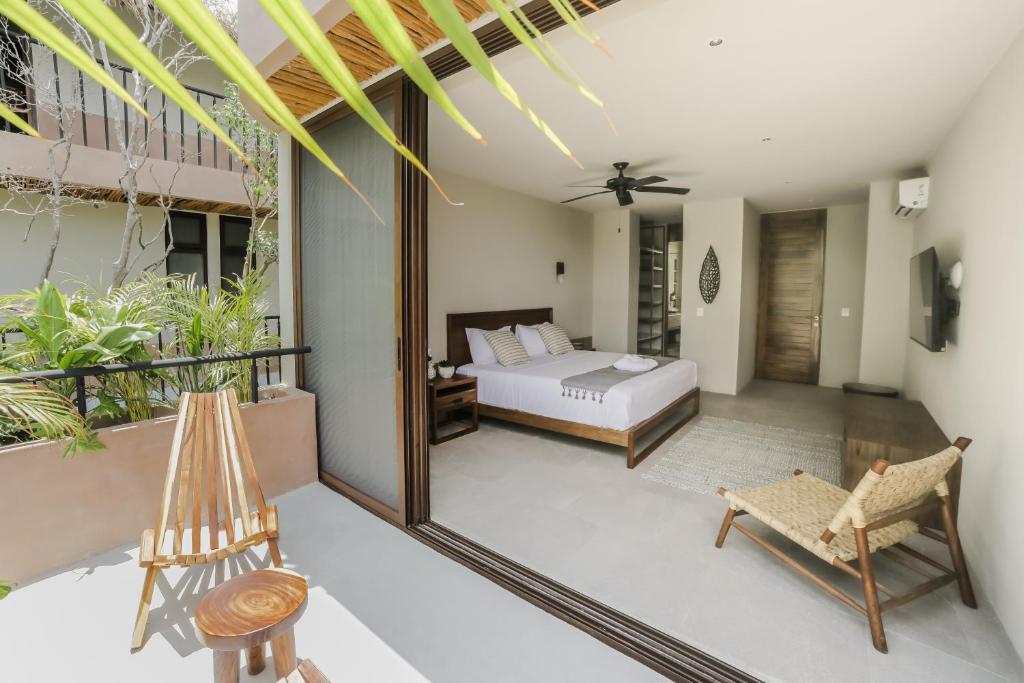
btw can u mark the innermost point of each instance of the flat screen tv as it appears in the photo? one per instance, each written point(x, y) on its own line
point(927, 302)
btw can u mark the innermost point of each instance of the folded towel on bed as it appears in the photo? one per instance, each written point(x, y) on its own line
point(634, 363)
point(596, 383)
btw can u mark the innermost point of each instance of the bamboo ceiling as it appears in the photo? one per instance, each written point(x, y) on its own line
point(302, 88)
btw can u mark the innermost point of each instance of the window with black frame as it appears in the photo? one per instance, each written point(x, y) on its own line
point(186, 235)
point(234, 240)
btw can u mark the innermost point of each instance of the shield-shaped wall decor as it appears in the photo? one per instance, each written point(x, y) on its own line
point(710, 277)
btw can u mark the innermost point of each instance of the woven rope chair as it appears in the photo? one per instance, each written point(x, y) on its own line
point(210, 472)
point(839, 526)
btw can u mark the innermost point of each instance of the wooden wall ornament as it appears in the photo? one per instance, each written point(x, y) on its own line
point(710, 277)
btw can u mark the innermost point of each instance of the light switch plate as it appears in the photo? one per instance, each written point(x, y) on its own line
point(700, 312)
point(845, 311)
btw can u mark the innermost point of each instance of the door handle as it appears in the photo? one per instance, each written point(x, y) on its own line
point(816, 319)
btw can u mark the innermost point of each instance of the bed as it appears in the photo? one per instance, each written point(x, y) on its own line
point(637, 414)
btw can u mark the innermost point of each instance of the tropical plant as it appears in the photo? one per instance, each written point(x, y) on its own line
point(259, 178)
point(229, 321)
point(29, 412)
point(83, 330)
point(209, 36)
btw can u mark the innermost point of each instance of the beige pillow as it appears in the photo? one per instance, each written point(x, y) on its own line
point(507, 349)
point(555, 339)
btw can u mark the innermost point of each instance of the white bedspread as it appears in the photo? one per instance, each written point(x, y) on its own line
point(536, 387)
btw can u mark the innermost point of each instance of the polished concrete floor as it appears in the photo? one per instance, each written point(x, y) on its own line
point(383, 608)
point(570, 509)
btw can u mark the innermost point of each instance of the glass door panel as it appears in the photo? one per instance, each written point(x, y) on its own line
point(351, 311)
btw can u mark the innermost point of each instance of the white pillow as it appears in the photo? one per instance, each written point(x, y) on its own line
point(479, 349)
point(530, 338)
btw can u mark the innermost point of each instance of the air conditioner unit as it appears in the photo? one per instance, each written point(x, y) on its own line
point(912, 197)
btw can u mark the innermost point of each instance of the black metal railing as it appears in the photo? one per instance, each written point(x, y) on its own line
point(86, 109)
point(81, 374)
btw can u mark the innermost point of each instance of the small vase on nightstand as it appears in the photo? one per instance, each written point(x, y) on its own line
point(446, 371)
point(431, 372)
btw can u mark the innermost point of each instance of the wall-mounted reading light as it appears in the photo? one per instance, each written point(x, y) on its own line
point(560, 271)
point(956, 275)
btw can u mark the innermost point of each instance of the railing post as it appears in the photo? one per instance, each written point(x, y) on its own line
point(80, 395)
point(255, 380)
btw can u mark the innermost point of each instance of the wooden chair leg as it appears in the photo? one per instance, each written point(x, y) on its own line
point(275, 553)
point(225, 666)
point(726, 525)
point(956, 553)
point(142, 616)
point(256, 659)
point(870, 591)
point(283, 650)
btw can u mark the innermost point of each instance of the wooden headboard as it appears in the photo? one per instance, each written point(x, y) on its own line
point(458, 346)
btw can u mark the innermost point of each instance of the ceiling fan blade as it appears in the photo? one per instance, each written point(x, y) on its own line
point(640, 182)
point(625, 198)
point(584, 196)
point(604, 186)
point(664, 190)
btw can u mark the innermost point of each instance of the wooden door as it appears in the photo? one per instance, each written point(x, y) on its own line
point(792, 277)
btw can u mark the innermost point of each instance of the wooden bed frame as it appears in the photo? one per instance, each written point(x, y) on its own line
point(458, 354)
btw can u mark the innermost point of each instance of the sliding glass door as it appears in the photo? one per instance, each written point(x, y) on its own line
point(350, 308)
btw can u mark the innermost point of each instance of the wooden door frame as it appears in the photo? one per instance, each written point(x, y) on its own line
point(669, 656)
point(814, 375)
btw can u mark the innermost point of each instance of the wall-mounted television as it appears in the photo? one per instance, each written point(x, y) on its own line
point(927, 301)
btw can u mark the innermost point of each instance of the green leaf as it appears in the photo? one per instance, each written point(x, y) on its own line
point(383, 23)
point(103, 23)
point(300, 27)
point(6, 586)
point(571, 17)
point(34, 23)
point(18, 122)
point(51, 320)
point(121, 338)
point(196, 22)
point(512, 22)
point(448, 19)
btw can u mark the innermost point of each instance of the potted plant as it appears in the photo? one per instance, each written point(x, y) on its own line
point(445, 369)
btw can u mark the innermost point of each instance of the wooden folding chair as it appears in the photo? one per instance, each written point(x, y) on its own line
point(210, 463)
point(839, 526)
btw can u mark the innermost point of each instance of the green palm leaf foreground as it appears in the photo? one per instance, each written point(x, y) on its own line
point(199, 25)
point(17, 121)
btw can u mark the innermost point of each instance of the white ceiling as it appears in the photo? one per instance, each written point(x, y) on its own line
point(848, 91)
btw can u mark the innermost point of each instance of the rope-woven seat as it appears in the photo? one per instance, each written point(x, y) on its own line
point(801, 507)
point(839, 526)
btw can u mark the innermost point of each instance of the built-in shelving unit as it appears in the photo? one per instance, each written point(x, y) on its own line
point(650, 331)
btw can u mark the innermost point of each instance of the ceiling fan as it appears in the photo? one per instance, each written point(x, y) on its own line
point(622, 185)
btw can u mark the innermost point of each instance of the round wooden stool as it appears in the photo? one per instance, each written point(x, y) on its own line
point(244, 613)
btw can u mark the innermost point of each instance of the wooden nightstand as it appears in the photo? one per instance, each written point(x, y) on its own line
point(583, 343)
point(448, 396)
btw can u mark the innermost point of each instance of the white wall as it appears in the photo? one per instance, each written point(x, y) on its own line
point(89, 242)
point(749, 289)
point(712, 340)
point(615, 235)
point(90, 239)
point(976, 387)
point(499, 252)
point(845, 253)
point(886, 289)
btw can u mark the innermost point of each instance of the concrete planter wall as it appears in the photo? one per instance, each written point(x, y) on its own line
point(55, 512)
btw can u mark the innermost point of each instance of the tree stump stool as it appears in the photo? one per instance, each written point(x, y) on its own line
point(246, 612)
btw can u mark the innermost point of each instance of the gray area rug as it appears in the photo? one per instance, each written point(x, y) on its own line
point(739, 455)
